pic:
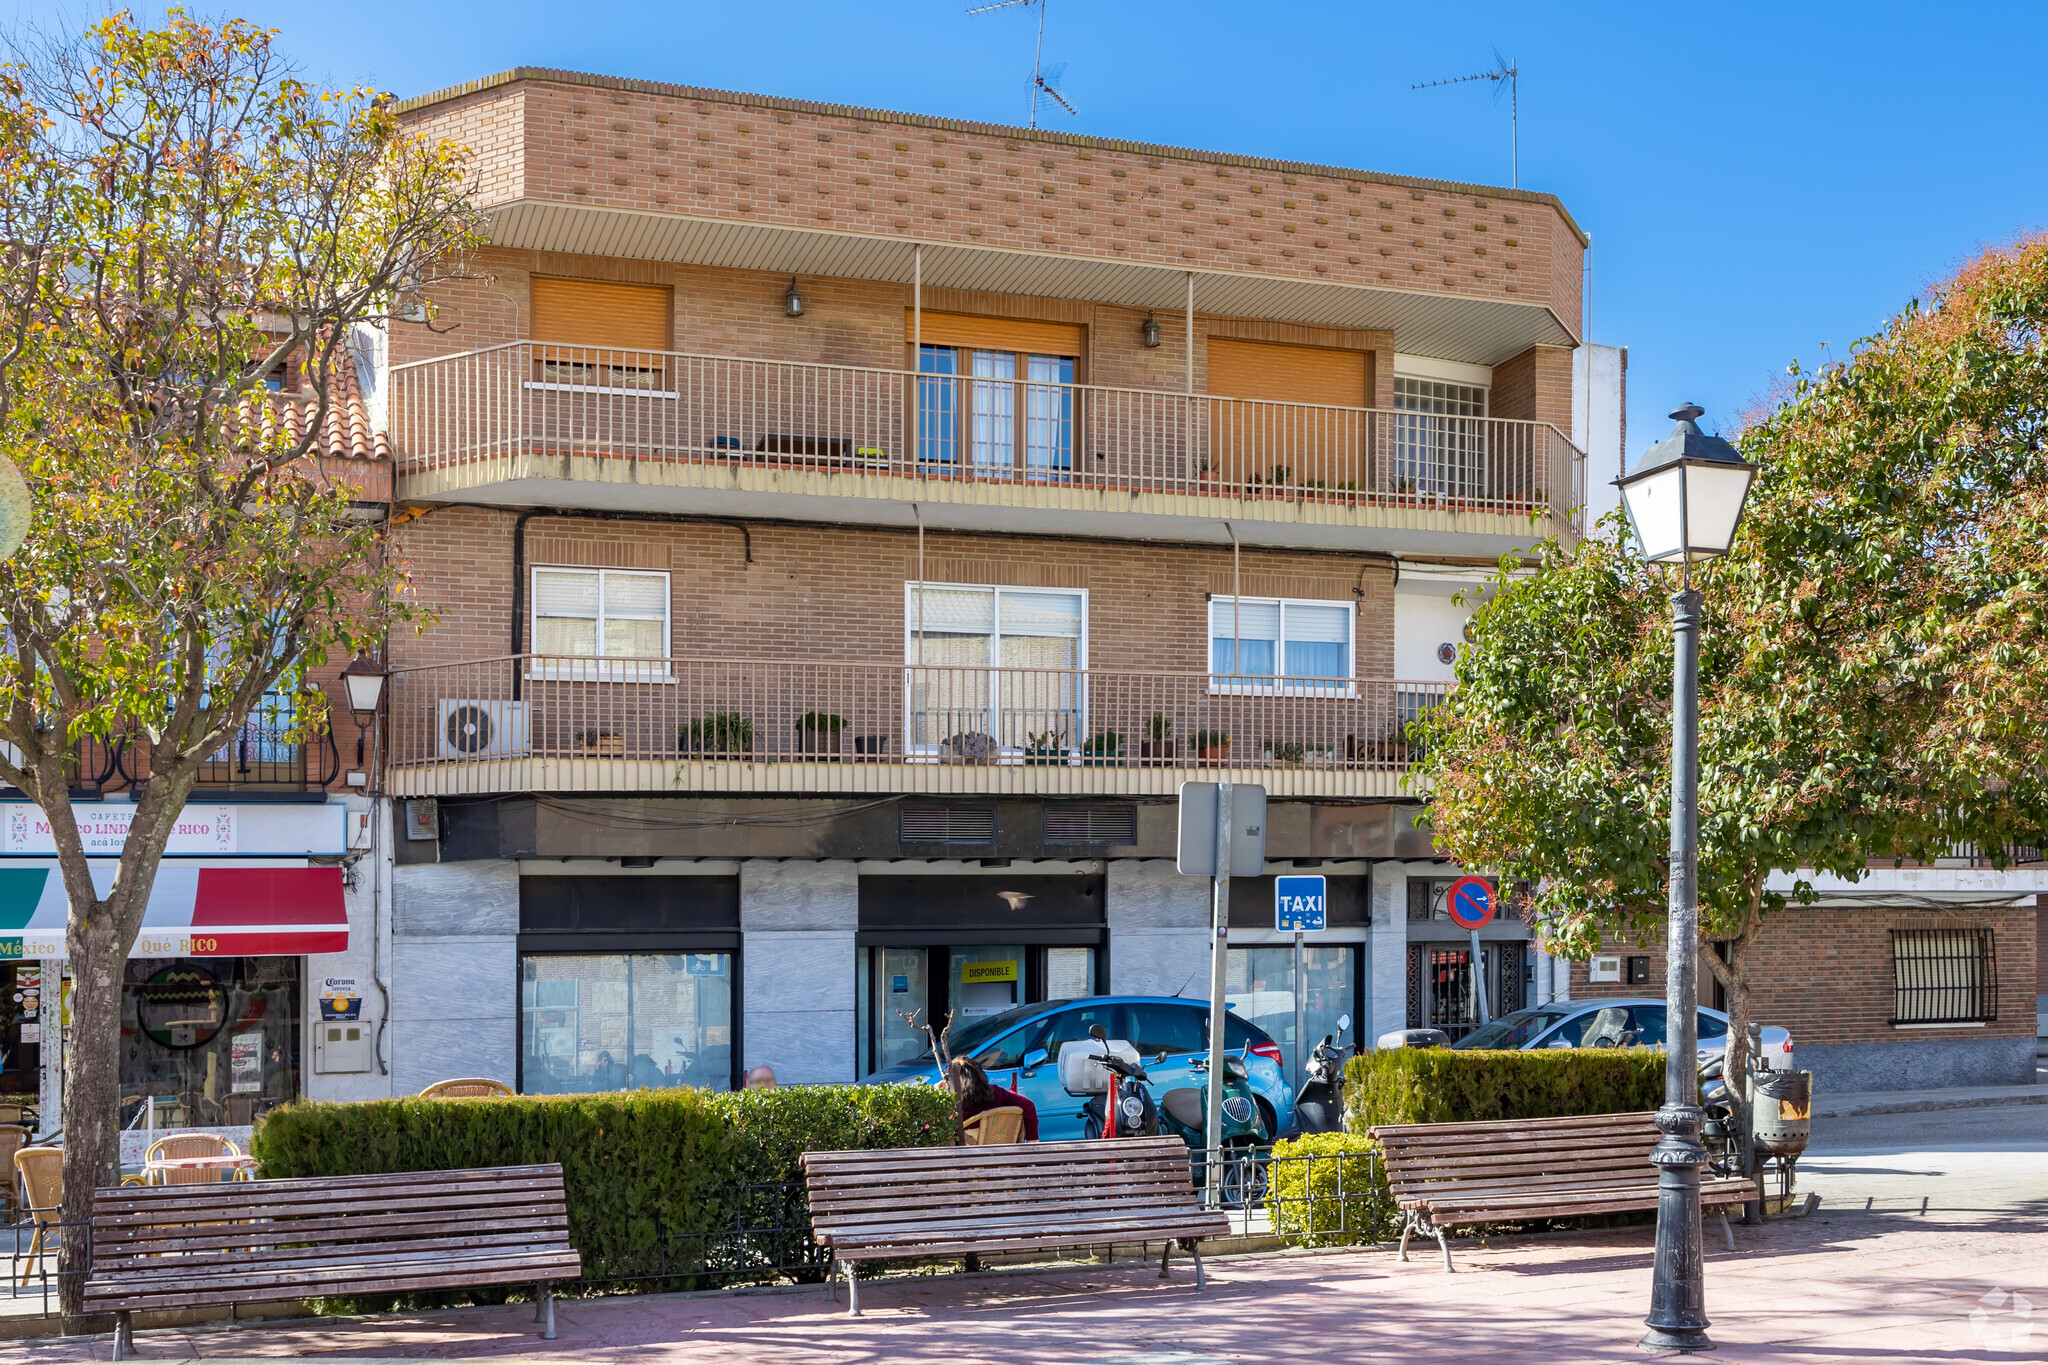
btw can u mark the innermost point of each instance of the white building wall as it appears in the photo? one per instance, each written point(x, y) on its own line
point(454, 973)
point(1599, 393)
point(368, 898)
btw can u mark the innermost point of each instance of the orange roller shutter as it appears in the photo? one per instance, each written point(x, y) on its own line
point(596, 313)
point(1286, 374)
point(997, 334)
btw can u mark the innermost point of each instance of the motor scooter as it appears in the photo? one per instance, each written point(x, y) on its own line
point(1319, 1104)
point(1118, 1103)
point(1184, 1113)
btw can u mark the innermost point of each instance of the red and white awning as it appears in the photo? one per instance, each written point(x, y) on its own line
point(195, 910)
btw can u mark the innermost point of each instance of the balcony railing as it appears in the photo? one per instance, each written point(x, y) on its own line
point(527, 409)
point(548, 723)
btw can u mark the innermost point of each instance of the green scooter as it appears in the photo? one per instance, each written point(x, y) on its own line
point(1184, 1113)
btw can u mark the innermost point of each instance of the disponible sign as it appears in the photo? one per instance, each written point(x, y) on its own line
point(204, 830)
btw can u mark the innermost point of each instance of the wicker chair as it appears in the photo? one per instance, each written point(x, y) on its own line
point(993, 1127)
point(183, 1145)
point(13, 1137)
point(41, 1174)
point(465, 1088)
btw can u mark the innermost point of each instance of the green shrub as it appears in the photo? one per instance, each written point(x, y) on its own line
point(1439, 1085)
point(1350, 1200)
point(721, 732)
point(652, 1176)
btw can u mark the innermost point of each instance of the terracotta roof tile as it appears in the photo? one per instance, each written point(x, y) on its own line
point(348, 432)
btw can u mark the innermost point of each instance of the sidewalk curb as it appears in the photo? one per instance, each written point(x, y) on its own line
point(2032, 1094)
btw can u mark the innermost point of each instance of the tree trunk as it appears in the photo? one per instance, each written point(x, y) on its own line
point(92, 1061)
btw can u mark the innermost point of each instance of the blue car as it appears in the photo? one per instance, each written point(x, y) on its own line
point(1020, 1049)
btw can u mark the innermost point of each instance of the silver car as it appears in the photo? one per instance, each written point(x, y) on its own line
point(1612, 1023)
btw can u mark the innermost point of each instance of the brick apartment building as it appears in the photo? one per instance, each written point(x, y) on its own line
point(847, 530)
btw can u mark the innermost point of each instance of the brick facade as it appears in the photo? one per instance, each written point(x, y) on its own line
point(646, 147)
point(828, 592)
point(1827, 974)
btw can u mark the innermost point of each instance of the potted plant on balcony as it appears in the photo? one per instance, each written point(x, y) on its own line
point(1287, 755)
point(969, 746)
point(1045, 749)
point(721, 732)
point(1212, 746)
point(606, 743)
point(817, 732)
point(1158, 742)
point(1103, 749)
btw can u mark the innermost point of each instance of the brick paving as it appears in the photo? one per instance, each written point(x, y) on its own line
point(1842, 1286)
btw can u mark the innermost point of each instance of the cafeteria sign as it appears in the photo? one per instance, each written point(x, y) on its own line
point(103, 829)
point(982, 973)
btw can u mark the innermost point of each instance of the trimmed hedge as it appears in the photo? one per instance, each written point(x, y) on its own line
point(652, 1175)
point(1333, 1200)
point(1440, 1085)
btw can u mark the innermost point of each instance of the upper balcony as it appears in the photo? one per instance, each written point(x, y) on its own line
point(531, 423)
point(550, 723)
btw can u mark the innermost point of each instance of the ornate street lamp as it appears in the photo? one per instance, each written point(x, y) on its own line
point(1684, 500)
point(364, 679)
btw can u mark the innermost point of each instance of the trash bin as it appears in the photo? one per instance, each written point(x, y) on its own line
point(1780, 1112)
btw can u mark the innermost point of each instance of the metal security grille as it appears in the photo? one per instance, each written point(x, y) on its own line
point(1944, 976)
point(1091, 824)
point(936, 824)
point(1440, 984)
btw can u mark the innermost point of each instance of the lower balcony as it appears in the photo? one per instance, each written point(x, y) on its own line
point(540, 425)
point(537, 723)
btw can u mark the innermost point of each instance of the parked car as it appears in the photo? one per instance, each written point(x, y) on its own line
point(1567, 1023)
point(1020, 1049)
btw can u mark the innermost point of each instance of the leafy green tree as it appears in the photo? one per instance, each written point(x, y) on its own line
point(190, 226)
point(1874, 659)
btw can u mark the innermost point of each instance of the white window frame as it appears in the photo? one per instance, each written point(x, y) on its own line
point(603, 669)
point(1346, 686)
point(1009, 753)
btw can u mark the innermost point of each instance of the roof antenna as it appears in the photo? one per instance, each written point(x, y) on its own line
point(1505, 74)
point(1044, 80)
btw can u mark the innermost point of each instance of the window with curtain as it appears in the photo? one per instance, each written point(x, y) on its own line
point(583, 615)
point(1261, 644)
point(998, 667)
point(996, 403)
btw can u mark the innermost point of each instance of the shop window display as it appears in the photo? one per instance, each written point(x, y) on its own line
point(625, 1021)
point(213, 1040)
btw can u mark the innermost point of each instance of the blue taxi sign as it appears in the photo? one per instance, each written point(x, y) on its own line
point(1301, 904)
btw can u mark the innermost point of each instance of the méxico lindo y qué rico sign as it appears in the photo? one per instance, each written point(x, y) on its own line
point(195, 910)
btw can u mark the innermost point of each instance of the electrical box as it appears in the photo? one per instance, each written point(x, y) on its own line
point(342, 1045)
point(1639, 971)
point(422, 818)
point(1604, 967)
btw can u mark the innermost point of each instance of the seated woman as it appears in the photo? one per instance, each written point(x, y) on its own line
point(977, 1094)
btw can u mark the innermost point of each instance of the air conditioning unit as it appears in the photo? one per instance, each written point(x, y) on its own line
point(480, 729)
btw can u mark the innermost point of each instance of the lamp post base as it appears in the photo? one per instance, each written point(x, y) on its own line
point(1656, 1339)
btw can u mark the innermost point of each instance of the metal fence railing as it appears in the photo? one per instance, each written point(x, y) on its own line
point(534, 409)
point(775, 725)
point(32, 1271)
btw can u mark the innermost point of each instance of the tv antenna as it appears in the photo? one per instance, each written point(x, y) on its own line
point(1505, 75)
point(1044, 80)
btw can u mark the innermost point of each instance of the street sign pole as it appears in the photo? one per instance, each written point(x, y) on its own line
point(1300, 1015)
point(1479, 981)
point(1219, 970)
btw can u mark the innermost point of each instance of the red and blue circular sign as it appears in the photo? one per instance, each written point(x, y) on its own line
point(1470, 902)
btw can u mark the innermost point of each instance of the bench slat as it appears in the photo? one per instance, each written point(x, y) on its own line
point(327, 1186)
point(1034, 1240)
point(867, 1220)
point(244, 1257)
point(370, 1230)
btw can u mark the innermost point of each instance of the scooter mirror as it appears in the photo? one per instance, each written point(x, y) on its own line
point(1095, 1032)
point(1343, 1022)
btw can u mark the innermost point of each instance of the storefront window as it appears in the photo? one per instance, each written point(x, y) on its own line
point(985, 980)
point(1260, 989)
point(21, 991)
point(613, 1021)
point(212, 1040)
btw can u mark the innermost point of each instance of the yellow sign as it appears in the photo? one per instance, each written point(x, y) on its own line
point(976, 973)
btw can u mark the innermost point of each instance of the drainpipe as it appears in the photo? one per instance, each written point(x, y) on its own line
point(1236, 602)
point(1188, 375)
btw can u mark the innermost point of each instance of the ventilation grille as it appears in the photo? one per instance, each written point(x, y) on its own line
point(1091, 824)
point(928, 824)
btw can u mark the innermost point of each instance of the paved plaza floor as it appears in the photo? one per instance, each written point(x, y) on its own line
point(1931, 1245)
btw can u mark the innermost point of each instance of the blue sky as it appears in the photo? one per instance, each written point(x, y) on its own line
point(1758, 179)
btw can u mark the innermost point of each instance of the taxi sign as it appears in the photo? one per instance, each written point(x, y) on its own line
point(1301, 904)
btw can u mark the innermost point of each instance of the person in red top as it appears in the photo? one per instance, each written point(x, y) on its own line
point(977, 1093)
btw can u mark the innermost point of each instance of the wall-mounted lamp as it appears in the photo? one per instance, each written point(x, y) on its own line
point(793, 301)
point(1151, 332)
point(364, 681)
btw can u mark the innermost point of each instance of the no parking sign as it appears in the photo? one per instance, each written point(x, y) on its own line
point(1470, 902)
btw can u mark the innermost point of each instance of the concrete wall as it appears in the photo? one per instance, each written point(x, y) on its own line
point(1847, 1068)
point(1159, 924)
point(454, 973)
point(797, 968)
point(1600, 423)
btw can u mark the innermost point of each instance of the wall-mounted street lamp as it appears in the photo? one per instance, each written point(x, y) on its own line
point(1150, 331)
point(363, 680)
point(793, 301)
point(1685, 500)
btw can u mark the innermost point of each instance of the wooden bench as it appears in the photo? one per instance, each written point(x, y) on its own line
point(1446, 1175)
point(1026, 1196)
point(184, 1246)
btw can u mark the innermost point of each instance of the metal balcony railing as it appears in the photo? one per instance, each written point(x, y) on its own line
point(524, 408)
point(540, 722)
